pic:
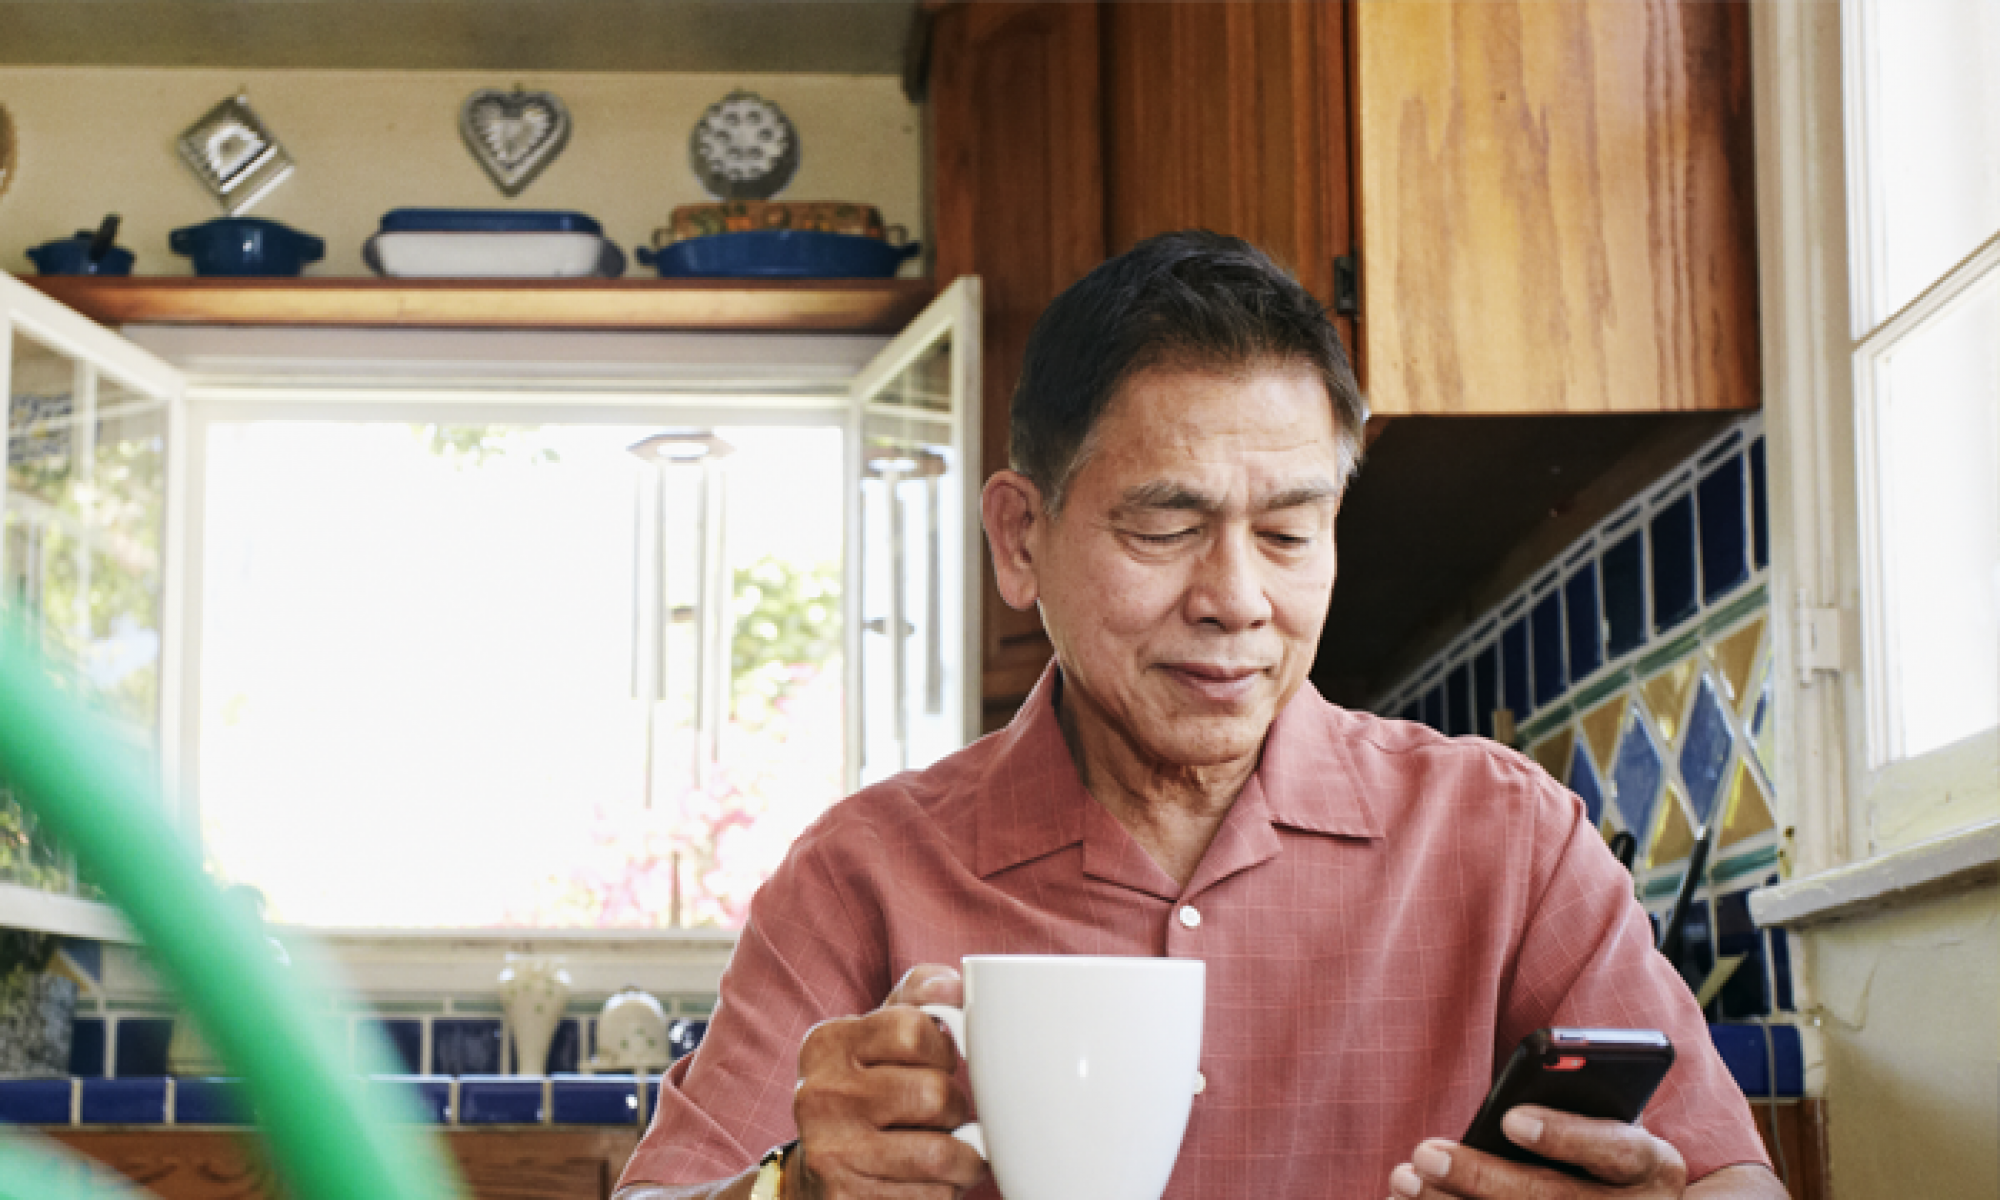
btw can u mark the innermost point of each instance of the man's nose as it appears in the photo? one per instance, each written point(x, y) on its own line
point(1228, 589)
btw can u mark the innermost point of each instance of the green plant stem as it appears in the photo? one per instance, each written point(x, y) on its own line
point(326, 1140)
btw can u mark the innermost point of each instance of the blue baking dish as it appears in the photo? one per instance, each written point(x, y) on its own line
point(246, 246)
point(71, 256)
point(487, 220)
point(778, 254)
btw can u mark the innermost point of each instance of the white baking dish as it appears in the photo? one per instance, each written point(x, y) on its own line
point(493, 255)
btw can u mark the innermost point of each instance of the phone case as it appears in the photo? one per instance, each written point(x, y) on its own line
point(1608, 1074)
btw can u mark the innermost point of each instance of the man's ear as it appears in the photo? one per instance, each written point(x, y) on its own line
point(1010, 505)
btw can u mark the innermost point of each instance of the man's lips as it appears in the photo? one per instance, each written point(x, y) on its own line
point(1215, 681)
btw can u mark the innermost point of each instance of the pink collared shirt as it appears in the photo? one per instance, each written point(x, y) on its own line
point(1384, 913)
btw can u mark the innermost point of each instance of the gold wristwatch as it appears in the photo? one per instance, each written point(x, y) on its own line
point(771, 1172)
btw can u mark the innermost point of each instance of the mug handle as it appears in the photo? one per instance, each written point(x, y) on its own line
point(953, 1020)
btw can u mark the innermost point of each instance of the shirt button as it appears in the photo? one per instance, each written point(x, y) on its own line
point(1200, 1083)
point(1190, 916)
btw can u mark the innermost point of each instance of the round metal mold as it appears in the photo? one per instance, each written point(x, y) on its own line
point(744, 148)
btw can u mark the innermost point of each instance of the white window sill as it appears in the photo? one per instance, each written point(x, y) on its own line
point(1967, 858)
point(383, 963)
point(69, 916)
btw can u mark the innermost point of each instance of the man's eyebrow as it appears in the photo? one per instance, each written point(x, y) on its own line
point(1303, 495)
point(1166, 494)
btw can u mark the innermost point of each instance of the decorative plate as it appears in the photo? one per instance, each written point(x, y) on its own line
point(744, 148)
point(514, 135)
point(234, 155)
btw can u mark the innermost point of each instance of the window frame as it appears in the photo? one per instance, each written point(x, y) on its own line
point(430, 376)
point(1845, 811)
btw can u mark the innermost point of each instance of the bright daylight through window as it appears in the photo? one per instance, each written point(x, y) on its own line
point(525, 676)
point(1924, 205)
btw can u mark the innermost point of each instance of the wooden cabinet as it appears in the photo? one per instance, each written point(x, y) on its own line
point(1551, 199)
point(1231, 117)
point(1017, 187)
point(1557, 212)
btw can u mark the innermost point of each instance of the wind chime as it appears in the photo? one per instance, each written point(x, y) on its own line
point(680, 499)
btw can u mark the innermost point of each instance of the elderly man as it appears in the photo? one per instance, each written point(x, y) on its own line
point(1384, 912)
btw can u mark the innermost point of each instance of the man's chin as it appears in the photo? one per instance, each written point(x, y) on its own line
point(1197, 742)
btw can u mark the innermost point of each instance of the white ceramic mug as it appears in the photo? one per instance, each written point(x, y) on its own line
point(1083, 1070)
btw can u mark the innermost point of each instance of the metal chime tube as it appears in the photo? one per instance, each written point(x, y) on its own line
point(898, 623)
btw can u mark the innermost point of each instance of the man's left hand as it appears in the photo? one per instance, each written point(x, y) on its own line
point(1624, 1159)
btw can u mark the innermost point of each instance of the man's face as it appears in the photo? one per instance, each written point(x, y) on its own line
point(1186, 579)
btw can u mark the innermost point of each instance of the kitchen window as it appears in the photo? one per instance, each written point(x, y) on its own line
point(1880, 243)
point(433, 654)
point(85, 565)
point(553, 630)
point(1923, 139)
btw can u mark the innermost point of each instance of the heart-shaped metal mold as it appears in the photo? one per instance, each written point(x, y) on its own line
point(514, 135)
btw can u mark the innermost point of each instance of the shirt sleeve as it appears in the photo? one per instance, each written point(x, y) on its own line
point(1587, 959)
point(803, 958)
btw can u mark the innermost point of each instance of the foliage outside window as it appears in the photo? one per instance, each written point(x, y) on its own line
point(418, 668)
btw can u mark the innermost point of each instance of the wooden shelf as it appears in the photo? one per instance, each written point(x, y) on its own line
point(789, 306)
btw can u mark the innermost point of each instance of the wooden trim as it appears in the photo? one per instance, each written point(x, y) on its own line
point(853, 306)
point(1794, 1133)
point(508, 1162)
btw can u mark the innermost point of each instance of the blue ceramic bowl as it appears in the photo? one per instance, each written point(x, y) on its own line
point(778, 254)
point(246, 246)
point(71, 256)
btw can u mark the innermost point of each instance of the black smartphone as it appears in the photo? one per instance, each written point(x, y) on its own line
point(1608, 1074)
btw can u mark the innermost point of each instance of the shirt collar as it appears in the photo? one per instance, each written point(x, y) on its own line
point(1032, 802)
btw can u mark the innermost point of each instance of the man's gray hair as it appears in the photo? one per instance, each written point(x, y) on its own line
point(1194, 300)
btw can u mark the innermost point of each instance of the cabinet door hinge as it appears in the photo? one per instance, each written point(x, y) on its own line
point(1819, 639)
point(1347, 285)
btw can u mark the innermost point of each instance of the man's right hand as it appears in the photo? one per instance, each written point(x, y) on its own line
point(877, 1100)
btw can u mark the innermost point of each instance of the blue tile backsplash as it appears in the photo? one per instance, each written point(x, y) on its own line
point(566, 1048)
point(1725, 561)
point(141, 1045)
point(499, 1100)
point(86, 1046)
point(124, 1102)
point(1458, 700)
point(1636, 777)
point(1514, 688)
point(594, 1100)
point(35, 1101)
point(1585, 629)
point(200, 1101)
point(1760, 515)
point(1705, 752)
point(1636, 669)
point(1672, 539)
point(466, 1047)
point(1625, 595)
point(1485, 689)
point(405, 1038)
point(1545, 635)
point(1583, 781)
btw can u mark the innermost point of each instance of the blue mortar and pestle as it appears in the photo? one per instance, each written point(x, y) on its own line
point(246, 246)
point(89, 252)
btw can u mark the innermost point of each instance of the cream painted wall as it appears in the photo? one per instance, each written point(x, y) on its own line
point(1911, 1034)
point(98, 140)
